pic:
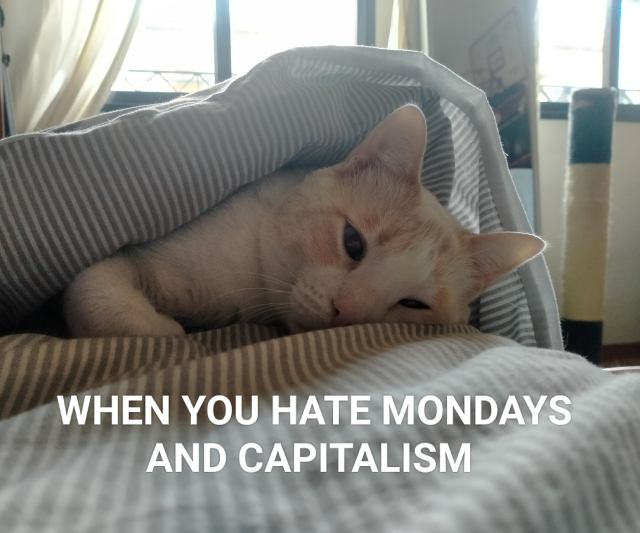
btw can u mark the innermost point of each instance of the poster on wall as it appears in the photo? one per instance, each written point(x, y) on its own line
point(499, 68)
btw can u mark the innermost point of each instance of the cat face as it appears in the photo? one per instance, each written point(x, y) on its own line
point(365, 242)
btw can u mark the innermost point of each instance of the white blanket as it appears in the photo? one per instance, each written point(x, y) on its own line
point(582, 477)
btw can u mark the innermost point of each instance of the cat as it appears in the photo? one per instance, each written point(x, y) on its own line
point(358, 242)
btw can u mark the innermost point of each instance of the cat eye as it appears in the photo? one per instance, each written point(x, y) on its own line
point(413, 304)
point(353, 243)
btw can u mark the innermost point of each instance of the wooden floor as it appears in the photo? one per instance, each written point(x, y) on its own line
point(621, 354)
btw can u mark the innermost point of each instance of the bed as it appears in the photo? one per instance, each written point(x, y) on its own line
point(74, 195)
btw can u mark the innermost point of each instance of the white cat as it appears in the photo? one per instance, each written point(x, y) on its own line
point(361, 241)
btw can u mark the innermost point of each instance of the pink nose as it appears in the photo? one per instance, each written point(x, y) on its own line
point(344, 316)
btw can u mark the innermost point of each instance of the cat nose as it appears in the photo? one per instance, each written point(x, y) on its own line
point(340, 319)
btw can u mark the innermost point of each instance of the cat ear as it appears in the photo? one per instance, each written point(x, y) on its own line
point(493, 255)
point(396, 145)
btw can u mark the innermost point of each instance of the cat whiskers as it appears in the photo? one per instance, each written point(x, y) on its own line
point(208, 302)
point(270, 309)
point(261, 276)
point(262, 291)
point(283, 288)
point(272, 317)
point(265, 290)
point(271, 278)
point(276, 263)
point(258, 309)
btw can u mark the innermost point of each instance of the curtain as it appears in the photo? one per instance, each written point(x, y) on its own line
point(65, 56)
point(408, 30)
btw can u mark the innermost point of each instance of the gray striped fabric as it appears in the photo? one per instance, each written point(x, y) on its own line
point(582, 477)
point(74, 196)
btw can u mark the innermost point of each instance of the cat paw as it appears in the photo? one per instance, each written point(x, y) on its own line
point(167, 327)
point(158, 325)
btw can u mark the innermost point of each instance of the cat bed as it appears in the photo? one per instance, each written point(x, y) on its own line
point(74, 195)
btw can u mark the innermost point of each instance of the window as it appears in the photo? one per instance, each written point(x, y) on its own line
point(629, 74)
point(589, 43)
point(172, 49)
point(176, 42)
point(571, 46)
point(262, 28)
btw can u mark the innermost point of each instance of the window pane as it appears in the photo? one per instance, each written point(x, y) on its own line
point(261, 28)
point(173, 41)
point(571, 44)
point(629, 76)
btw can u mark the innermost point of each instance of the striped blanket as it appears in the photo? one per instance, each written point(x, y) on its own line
point(73, 196)
point(580, 477)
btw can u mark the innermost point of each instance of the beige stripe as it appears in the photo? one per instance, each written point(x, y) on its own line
point(36, 368)
point(8, 355)
point(111, 357)
point(79, 365)
point(33, 383)
point(126, 345)
point(96, 355)
point(17, 380)
point(586, 213)
point(266, 368)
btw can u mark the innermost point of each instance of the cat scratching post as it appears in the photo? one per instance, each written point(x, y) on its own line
point(586, 212)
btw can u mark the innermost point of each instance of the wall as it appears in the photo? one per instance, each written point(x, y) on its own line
point(622, 299)
point(454, 25)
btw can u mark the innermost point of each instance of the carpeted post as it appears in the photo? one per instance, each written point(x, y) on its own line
point(586, 212)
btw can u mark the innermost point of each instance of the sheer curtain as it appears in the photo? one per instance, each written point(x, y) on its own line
point(65, 55)
point(408, 28)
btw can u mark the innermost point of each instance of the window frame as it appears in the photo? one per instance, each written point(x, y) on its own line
point(611, 61)
point(365, 31)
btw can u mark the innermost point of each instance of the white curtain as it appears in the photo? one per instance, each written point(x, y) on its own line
point(408, 28)
point(65, 56)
